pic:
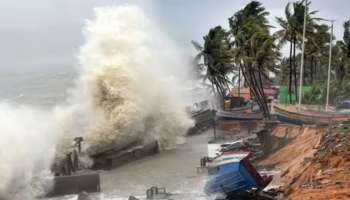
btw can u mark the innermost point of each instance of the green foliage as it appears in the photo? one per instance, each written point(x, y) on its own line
point(340, 79)
point(254, 48)
point(346, 38)
point(284, 97)
point(216, 47)
point(292, 32)
point(250, 48)
point(316, 95)
point(339, 91)
point(214, 59)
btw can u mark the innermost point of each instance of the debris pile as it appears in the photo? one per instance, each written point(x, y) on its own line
point(202, 115)
point(203, 120)
point(248, 144)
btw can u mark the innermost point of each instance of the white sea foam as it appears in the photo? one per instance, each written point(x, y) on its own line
point(128, 68)
point(26, 151)
point(128, 90)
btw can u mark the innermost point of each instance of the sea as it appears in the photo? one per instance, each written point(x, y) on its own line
point(173, 169)
point(128, 71)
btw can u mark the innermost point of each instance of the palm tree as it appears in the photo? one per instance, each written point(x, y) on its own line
point(286, 34)
point(346, 38)
point(253, 49)
point(341, 62)
point(315, 49)
point(342, 53)
point(236, 23)
point(292, 29)
point(214, 59)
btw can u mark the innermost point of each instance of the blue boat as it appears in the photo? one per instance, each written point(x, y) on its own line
point(232, 174)
point(284, 119)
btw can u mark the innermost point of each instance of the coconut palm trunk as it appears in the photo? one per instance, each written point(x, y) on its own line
point(256, 91)
point(261, 84)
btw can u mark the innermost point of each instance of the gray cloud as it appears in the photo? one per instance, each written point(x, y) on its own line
point(47, 33)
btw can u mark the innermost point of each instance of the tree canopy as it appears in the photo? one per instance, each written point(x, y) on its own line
point(249, 48)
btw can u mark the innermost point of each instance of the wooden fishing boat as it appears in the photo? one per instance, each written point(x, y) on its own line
point(290, 114)
point(229, 115)
point(244, 108)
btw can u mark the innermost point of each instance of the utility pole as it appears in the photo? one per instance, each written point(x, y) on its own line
point(302, 58)
point(239, 80)
point(329, 63)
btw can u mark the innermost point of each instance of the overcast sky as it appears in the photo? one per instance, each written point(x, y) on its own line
point(47, 33)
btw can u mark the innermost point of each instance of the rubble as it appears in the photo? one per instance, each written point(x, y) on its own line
point(202, 115)
point(203, 120)
point(248, 144)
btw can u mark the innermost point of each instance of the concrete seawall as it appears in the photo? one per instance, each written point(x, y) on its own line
point(65, 185)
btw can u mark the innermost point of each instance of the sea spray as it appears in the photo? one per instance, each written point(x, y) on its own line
point(128, 89)
point(26, 151)
point(127, 68)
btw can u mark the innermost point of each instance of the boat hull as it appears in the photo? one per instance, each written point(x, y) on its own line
point(235, 179)
point(288, 120)
point(234, 176)
point(300, 117)
point(239, 116)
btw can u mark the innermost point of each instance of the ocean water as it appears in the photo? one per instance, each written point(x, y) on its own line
point(127, 86)
point(173, 169)
point(44, 87)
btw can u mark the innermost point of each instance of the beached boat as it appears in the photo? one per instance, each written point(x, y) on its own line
point(343, 107)
point(229, 115)
point(232, 174)
point(290, 114)
point(244, 108)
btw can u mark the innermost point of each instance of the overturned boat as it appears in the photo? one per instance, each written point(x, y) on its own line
point(233, 175)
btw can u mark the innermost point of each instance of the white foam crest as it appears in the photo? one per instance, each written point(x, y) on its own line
point(128, 79)
point(26, 151)
point(128, 90)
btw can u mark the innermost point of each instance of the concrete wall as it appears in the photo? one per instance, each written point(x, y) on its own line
point(64, 185)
